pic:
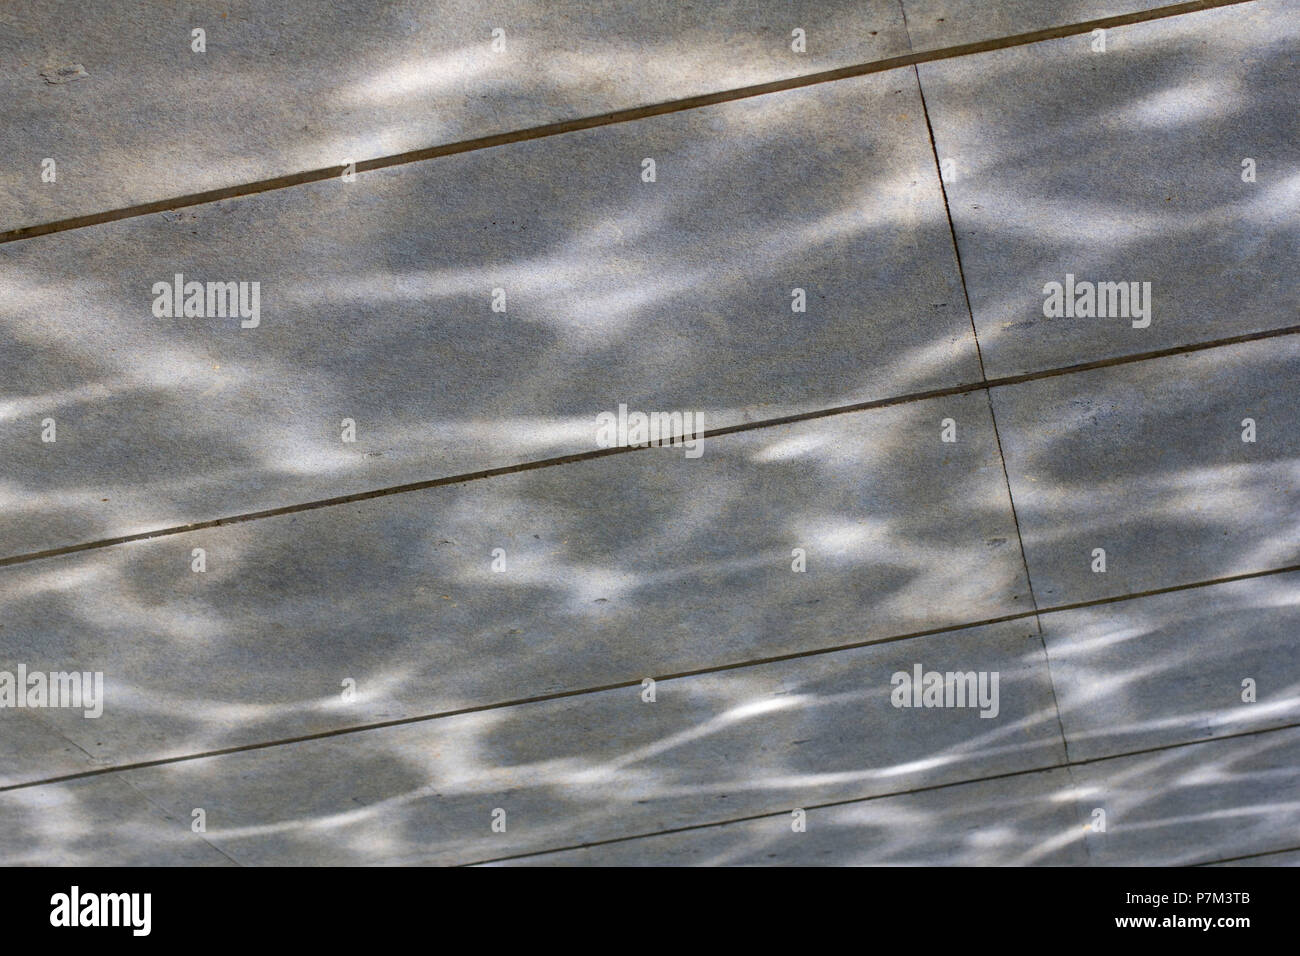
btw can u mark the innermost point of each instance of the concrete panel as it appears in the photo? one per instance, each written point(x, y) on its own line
point(637, 565)
point(611, 764)
point(938, 23)
point(1219, 799)
point(1125, 166)
point(1291, 858)
point(30, 747)
point(285, 87)
point(990, 823)
point(1147, 462)
point(375, 305)
point(96, 822)
point(1176, 807)
point(1168, 669)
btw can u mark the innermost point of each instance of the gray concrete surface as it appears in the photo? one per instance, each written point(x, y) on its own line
point(1126, 166)
point(1291, 858)
point(97, 822)
point(987, 823)
point(611, 571)
point(774, 687)
point(1176, 807)
point(1147, 462)
point(1196, 804)
point(672, 295)
point(279, 90)
point(932, 24)
point(711, 746)
point(1162, 670)
point(282, 88)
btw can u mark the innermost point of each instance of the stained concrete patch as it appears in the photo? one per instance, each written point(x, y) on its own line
point(57, 76)
point(376, 305)
point(1147, 463)
point(638, 565)
point(1126, 166)
point(282, 88)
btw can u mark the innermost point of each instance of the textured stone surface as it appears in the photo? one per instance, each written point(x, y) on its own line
point(515, 616)
point(1126, 166)
point(1195, 804)
point(30, 747)
point(285, 87)
point(1237, 797)
point(939, 23)
point(637, 565)
point(1167, 669)
point(973, 824)
point(610, 765)
point(1291, 858)
point(1146, 461)
point(101, 821)
point(376, 306)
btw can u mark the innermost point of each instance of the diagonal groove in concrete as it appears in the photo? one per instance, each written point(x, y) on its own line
point(1011, 775)
point(163, 811)
point(636, 681)
point(611, 118)
point(1249, 856)
point(985, 384)
point(993, 418)
point(963, 389)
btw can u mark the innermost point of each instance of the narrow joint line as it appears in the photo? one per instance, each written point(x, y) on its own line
point(609, 119)
point(1249, 856)
point(831, 804)
point(993, 418)
point(413, 486)
point(636, 681)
